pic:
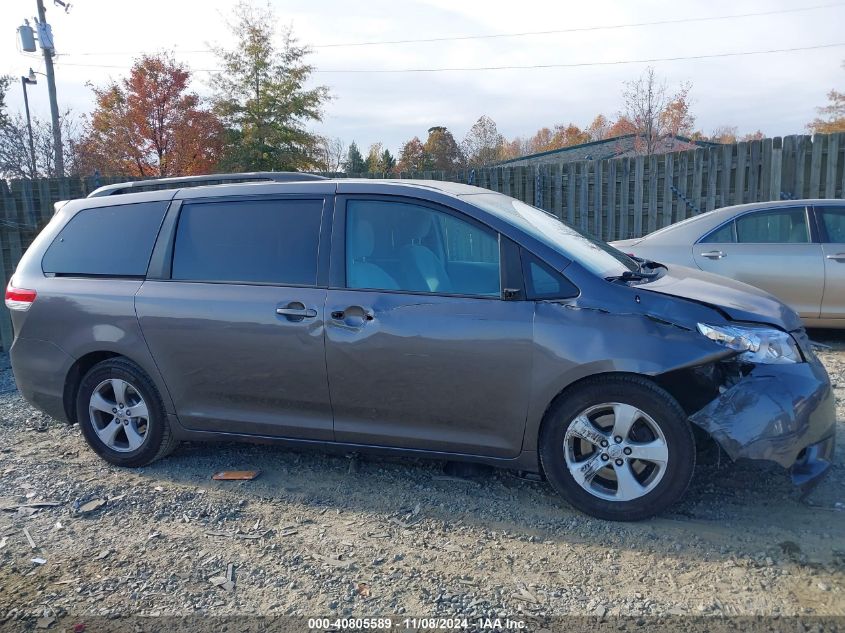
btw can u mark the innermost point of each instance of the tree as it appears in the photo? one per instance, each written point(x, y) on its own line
point(330, 154)
point(482, 145)
point(374, 165)
point(568, 135)
point(412, 156)
point(16, 159)
point(262, 99)
point(723, 134)
point(621, 127)
point(5, 82)
point(442, 150)
point(599, 129)
point(652, 112)
point(354, 163)
point(676, 118)
point(388, 163)
point(832, 116)
point(727, 134)
point(546, 139)
point(540, 142)
point(149, 124)
point(514, 149)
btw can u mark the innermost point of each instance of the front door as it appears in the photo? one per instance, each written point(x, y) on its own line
point(771, 249)
point(237, 331)
point(422, 351)
point(831, 221)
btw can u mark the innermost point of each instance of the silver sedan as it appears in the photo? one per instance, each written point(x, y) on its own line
point(793, 249)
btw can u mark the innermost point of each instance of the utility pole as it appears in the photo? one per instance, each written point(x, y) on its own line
point(48, 48)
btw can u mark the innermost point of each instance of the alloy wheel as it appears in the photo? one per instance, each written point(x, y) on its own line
point(119, 415)
point(615, 451)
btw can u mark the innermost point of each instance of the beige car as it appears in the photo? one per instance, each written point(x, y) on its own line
point(793, 249)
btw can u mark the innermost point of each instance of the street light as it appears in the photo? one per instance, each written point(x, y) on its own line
point(31, 80)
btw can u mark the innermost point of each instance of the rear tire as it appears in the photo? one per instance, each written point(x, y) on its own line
point(122, 416)
point(618, 448)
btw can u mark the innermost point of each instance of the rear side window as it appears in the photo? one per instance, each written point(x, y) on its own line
point(113, 241)
point(833, 220)
point(723, 235)
point(784, 226)
point(257, 241)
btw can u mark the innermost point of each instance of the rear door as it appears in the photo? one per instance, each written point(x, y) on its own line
point(831, 221)
point(235, 321)
point(772, 249)
point(423, 351)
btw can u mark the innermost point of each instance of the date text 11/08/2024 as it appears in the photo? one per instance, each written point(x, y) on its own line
point(416, 624)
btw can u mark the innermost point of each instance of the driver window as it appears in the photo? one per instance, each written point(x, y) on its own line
point(407, 247)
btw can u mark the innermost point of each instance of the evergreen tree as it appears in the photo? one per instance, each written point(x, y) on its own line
point(354, 163)
point(261, 97)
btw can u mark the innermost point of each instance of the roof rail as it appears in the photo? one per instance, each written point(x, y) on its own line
point(198, 181)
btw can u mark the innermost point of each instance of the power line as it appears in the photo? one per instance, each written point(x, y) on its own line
point(582, 28)
point(582, 64)
point(526, 67)
point(458, 38)
point(175, 50)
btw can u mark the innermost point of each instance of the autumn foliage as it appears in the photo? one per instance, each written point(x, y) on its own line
point(831, 117)
point(151, 124)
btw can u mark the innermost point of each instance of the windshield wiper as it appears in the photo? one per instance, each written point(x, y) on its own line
point(641, 273)
point(633, 275)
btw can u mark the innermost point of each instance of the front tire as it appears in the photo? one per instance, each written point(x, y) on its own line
point(618, 448)
point(121, 414)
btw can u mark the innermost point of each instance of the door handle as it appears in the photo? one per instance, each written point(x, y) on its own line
point(839, 257)
point(353, 311)
point(296, 311)
point(714, 254)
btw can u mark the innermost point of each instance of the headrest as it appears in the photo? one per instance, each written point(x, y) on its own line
point(417, 224)
point(363, 240)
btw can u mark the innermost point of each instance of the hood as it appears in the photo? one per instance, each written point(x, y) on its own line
point(623, 244)
point(739, 301)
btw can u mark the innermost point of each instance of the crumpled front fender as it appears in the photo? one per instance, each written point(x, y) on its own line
point(773, 413)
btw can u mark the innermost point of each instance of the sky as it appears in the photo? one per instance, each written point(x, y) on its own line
point(777, 92)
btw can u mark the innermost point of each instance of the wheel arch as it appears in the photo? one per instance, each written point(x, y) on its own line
point(85, 361)
point(73, 378)
point(572, 386)
point(650, 499)
point(690, 387)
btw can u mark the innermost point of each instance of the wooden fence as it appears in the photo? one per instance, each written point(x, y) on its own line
point(612, 199)
point(628, 197)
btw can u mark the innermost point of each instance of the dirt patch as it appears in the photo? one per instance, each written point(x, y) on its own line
point(316, 534)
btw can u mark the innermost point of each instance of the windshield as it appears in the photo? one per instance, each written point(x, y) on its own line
point(595, 255)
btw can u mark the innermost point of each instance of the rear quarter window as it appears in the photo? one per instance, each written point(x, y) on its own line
point(113, 241)
point(722, 235)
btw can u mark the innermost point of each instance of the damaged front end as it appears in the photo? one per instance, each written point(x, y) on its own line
point(782, 413)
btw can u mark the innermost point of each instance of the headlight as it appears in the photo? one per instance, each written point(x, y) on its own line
point(757, 344)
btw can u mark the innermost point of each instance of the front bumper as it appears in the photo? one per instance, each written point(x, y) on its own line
point(813, 464)
point(780, 413)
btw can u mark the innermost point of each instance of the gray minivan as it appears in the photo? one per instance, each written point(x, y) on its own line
point(409, 317)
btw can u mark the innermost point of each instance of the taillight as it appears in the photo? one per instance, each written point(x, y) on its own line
point(19, 298)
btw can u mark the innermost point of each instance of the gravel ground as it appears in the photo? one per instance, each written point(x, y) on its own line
point(323, 535)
